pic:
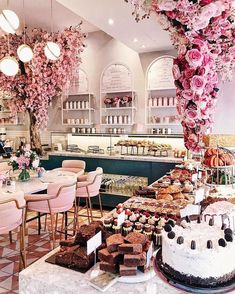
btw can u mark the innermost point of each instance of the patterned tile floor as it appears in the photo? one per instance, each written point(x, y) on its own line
point(37, 246)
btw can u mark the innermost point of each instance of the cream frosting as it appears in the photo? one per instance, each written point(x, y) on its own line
point(200, 262)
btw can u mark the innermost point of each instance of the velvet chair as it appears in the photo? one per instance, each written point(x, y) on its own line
point(59, 199)
point(88, 186)
point(75, 166)
point(12, 210)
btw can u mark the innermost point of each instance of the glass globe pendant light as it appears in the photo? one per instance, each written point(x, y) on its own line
point(9, 21)
point(24, 52)
point(52, 50)
point(8, 64)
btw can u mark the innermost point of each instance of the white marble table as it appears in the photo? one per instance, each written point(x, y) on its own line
point(44, 278)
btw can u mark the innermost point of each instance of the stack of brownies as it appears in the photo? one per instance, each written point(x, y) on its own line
point(125, 255)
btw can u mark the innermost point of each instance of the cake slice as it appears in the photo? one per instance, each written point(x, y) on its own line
point(127, 271)
point(109, 267)
point(136, 238)
point(135, 260)
point(130, 248)
point(113, 242)
point(113, 257)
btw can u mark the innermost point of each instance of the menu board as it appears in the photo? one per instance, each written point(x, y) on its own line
point(160, 74)
point(116, 78)
point(79, 83)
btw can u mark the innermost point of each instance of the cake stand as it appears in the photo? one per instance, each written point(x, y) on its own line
point(228, 287)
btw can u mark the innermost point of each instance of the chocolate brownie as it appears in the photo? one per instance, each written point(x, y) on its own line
point(86, 232)
point(113, 242)
point(130, 248)
point(135, 260)
point(109, 267)
point(67, 243)
point(127, 271)
point(136, 238)
point(113, 257)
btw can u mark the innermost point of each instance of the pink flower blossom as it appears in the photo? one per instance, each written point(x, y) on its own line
point(176, 72)
point(194, 58)
point(197, 84)
point(167, 5)
point(187, 94)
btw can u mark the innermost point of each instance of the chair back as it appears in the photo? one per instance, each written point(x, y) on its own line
point(73, 165)
point(11, 212)
point(95, 177)
point(65, 196)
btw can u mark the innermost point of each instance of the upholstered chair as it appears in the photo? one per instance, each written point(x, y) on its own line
point(88, 186)
point(59, 199)
point(12, 210)
point(75, 166)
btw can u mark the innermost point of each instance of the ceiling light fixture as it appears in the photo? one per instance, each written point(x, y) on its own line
point(135, 40)
point(143, 46)
point(24, 52)
point(110, 21)
point(52, 50)
point(8, 64)
point(9, 21)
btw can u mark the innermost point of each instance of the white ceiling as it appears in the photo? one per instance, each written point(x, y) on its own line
point(37, 14)
point(97, 12)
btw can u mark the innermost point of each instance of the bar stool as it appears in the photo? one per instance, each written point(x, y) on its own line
point(12, 210)
point(59, 199)
point(88, 186)
point(75, 166)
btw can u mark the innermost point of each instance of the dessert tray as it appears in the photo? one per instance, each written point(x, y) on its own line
point(166, 277)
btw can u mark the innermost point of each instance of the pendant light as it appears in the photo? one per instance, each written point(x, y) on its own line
point(9, 21)
point(24, 52)
point(8, 64)
point(52, 50)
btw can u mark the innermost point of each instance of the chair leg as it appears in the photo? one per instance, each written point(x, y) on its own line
point(52, 224)
point(62, 225)
point(10, 236)
point(45, 224)
point(56, 221)
point(75, 217)
point(22, 243)
point(87, 209)
point(90, 207)
point(101, 209)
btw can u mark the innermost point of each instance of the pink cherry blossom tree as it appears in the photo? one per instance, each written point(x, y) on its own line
point(41, 79)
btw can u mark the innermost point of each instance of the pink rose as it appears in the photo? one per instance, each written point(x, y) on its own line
point(197, 84)
point(199, 42)
point(200, 23)
point(194, 58)
point(176, 72)
point(191, 114)
point(219, 8)
point(167, 5)
point(190, 123)
point(189, 72)
point(163, 21)
point(208, 11)
point(186, 84)
point(187, 94)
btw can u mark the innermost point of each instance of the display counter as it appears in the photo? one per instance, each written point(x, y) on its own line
point(41, 277)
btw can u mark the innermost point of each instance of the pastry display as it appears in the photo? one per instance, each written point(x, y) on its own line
point(128, 256)
point(198, 253)
point(215, 157)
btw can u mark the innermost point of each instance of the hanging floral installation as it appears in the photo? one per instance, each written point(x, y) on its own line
point(41, 79)
point(203, 32)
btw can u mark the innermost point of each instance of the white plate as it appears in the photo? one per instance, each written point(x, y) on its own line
point(139, 278)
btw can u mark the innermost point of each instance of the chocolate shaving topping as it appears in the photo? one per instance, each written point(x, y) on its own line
point(228, 231)
point(180, 240)
point(222, 242)
point(193, 244)
point(209, 244)
point(211, 222)
point(170, 222)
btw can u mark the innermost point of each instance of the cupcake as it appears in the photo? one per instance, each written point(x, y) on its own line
point(127, 227)
point(116, 228)
point(108, 222)
point(138, 227)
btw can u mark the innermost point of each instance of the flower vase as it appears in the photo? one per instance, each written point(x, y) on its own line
point(24, 175)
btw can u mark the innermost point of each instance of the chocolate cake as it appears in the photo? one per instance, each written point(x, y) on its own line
point(109, 267)
point(136, 238)
point(127, 271)
point(113, 257)
point(88, 231)
point(113, 242)
point(127, 248)
point(135, 260)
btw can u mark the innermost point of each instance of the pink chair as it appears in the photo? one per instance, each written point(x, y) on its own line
point(12, 210)
point(59, 199)
point(75, 166)
point(88, 186)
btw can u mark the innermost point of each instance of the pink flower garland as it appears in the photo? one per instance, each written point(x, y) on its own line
point(41, 79)
point(203, 32)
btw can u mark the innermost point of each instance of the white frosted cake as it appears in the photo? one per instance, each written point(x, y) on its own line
point(198, 253)
point(221, 212)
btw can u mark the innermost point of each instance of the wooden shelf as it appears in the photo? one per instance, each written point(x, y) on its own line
point(119, 108)
point(79, 109)
point(155, 107)
point(117, 124)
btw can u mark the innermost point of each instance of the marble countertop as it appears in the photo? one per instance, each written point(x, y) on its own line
point(118, 157)
point(42, 277)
